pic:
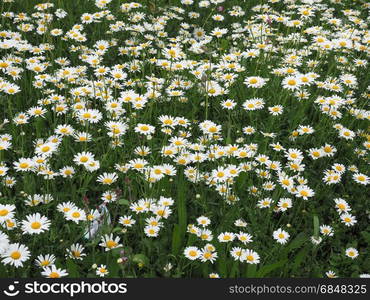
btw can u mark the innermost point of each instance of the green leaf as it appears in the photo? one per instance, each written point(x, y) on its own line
point(228, 138)
point(3, 273)
point(116, 229)
point(298, 259)
point(176, 240)
point(72, 269)
point(221, 266)
point(182, 214)
point(224, 44)
point(234, 270)
point(123, 202)
point(366, 236)
point(294, 244)
point(113, 268)
point(315, 225)
point(263, 271)
point(251, 271)
point(205, 271)
point(141, 259)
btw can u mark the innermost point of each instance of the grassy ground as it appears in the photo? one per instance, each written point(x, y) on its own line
point(298, 135)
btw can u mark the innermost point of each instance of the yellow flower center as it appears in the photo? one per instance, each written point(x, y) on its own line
point(54, 275)
point(84, 159)
point(250, 258)
point(45, 263)
point(76, 253)
point(15, 255)
point(45, 149)
point(111, 244)
point(76, 214)
point(35, 225)
point(3, 212)
point(24, 165)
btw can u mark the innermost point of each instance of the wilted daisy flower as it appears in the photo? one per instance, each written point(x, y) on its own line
point(35, 224)
point(281, 236)
point(15, 255)
point(4, 242)
point(316, 240)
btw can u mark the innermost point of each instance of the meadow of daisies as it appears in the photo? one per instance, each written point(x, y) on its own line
point(184, 138)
